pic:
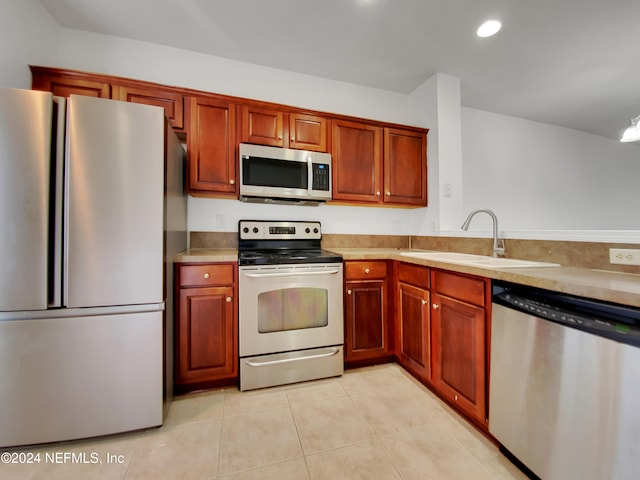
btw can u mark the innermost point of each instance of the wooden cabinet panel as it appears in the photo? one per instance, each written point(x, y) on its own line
point(211, 154)
point(206, 326)
point(405, 167)
point(171, 101)
point(414, 335)
point(357, 168)
point(365, 270)
point(63, 87)
point(307, 132)
point(206, 275)
point(459, 357)
point(206, 338)
point(416, 275)
point(465, 288)
point(366, 320)
point(262, 126)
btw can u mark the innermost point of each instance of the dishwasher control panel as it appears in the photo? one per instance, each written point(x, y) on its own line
point(616, 322)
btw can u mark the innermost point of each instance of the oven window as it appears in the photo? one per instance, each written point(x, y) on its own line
point(292, 309)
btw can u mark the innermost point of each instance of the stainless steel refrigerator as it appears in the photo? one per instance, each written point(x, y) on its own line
point(92, 210)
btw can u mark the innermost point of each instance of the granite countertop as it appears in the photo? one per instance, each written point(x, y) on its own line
point(623, 288)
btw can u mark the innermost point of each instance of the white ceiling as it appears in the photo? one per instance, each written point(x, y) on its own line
point(574, 63)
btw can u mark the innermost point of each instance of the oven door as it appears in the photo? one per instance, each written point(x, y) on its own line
point(290, 307)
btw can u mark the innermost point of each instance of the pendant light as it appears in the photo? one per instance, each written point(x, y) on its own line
point(632, 134)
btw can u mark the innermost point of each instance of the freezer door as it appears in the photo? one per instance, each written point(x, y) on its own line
point(79, 377)
point(114, 218)
point(25, 146)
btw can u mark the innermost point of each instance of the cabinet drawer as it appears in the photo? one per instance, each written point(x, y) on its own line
point(414, 275)
point(467, 289)
point(365, 270)
point(205, 275)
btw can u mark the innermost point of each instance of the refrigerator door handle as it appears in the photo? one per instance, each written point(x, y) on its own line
point(57, 200)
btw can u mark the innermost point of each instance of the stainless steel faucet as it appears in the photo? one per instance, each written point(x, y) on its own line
point(498, 243)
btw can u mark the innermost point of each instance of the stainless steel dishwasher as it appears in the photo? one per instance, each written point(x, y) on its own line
point(564, 393)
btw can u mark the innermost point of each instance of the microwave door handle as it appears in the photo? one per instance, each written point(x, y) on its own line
point(309, 175)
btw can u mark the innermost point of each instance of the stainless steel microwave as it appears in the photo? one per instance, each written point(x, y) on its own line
point(284, 175)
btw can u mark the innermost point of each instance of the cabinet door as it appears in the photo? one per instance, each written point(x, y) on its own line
point(459, 365)
point(366, 326)
point(172, 102)
point(357, 167)
point(307, 132)
point(262, 126)
point(405, 167)
point(206, 335)
point(211, 147)
point(414, 339)
point(63, 87)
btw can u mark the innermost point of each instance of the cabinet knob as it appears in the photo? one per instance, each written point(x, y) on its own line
point(206, 275)
point(424, 302)
point(388, 193)
point(435, 306)
point(378, 193)
point(232, 182)
point(349, 292)
point(367, 270)
point(229, 299)
point(455, 397)
point(293, 139)
point(279, 137)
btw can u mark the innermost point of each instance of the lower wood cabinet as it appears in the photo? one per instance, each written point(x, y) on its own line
point(206, 325)
point(459, 326)
point(413, 326)
point(366, 311)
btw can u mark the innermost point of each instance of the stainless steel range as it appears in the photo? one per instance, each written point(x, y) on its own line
point(291, 316)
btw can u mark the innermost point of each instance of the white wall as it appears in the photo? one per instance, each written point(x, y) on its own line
point(539, 177)
point(28, 35)
point(536, 177)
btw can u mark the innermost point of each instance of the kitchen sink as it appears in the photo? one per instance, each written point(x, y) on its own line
point(481, 261)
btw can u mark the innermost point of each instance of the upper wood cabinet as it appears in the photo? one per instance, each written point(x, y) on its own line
point(264, 126)
point(405, 167)
point(357, 167)
point(63, 86)
point(308, 132)
point(211, 152)
point(171, 101)
point(64, 83)
point(373, 165)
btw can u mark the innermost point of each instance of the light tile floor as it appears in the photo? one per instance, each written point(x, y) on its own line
point(371, 423)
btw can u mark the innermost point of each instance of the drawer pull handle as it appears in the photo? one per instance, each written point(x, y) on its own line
point(367, 270)
point(229, 299)
point(206, 275)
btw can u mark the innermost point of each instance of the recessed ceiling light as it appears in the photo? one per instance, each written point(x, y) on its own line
point(488, 28)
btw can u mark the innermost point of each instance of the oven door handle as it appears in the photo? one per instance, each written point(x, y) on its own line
point(289, 274)
point(253, 363)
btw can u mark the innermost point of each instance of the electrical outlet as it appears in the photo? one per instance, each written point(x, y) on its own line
point(624, 256)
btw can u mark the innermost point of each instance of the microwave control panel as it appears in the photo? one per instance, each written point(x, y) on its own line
point(321, 174)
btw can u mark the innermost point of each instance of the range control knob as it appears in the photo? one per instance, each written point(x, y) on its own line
point(255, 230)
point(245, 229)
point(307, 230)
point(315, 230)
